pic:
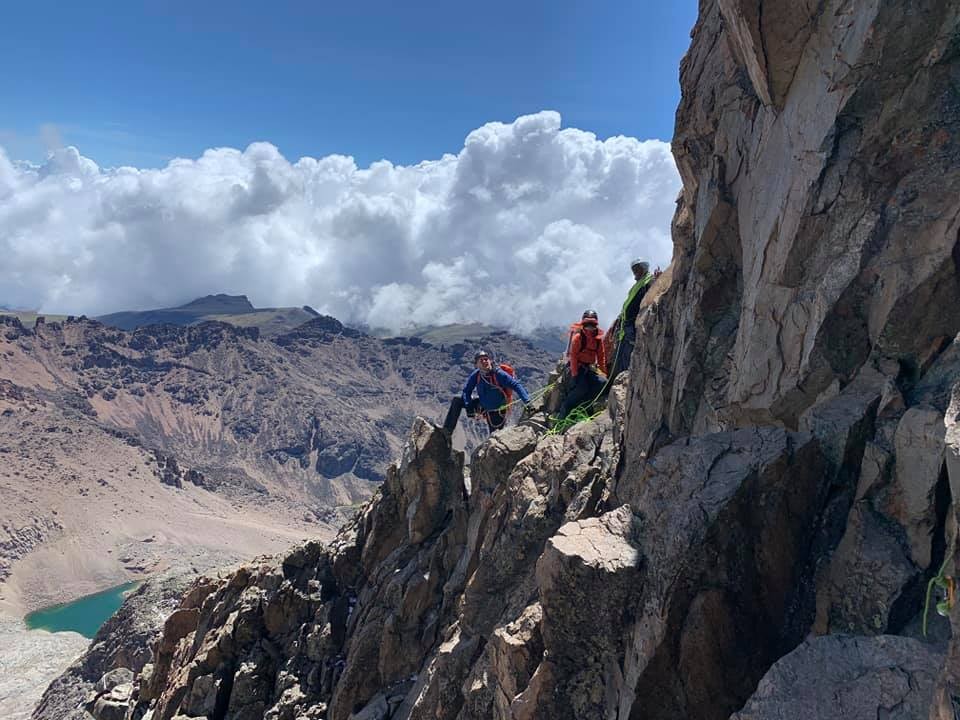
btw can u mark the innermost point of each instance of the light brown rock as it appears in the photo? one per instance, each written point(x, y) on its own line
point(919, 443)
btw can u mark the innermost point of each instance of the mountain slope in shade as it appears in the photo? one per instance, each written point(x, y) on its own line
point(232, 309)
point(550, 339)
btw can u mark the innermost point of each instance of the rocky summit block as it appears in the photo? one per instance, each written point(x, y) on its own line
point(841, 677)
point(589, 576)
point(676, 604)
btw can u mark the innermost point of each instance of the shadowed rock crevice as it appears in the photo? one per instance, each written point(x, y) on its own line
point(848, 677)
point(728, 590)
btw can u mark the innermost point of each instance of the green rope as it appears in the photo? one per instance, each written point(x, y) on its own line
point(942, 582)
point(578, 415)
point(533, 398)
point(579, 412)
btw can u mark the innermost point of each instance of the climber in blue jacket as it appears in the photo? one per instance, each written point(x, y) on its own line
point(495, 386)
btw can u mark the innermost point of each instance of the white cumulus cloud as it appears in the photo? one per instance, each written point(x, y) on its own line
point(527, 225)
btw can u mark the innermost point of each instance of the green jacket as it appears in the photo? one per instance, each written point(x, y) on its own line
point(636, 294)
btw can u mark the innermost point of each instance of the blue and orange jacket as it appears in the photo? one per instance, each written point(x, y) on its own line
point(488, 388)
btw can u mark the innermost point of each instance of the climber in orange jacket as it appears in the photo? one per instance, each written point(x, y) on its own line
point(587, 362)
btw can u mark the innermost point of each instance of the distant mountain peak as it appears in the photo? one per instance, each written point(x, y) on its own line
point(221, 302)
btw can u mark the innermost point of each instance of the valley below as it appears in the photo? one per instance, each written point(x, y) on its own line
point(170, 450)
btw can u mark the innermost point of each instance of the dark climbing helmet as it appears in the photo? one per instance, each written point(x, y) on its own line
point(479, 354)
point(589, 317)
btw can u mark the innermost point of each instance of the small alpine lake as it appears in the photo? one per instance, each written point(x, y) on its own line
point(84, 615)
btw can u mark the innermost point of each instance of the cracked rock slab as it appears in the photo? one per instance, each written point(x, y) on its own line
point(841, 677)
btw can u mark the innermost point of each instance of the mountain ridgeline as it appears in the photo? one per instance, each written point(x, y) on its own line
point(749, 530)
point(124, 452)
point(326, 402)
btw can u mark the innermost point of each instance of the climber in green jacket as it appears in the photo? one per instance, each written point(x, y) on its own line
point(627, 332)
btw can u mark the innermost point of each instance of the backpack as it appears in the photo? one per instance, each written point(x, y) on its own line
point(574, 330)
point(507, 392)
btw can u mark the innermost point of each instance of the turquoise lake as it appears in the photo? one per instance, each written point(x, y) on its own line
point(84, 616)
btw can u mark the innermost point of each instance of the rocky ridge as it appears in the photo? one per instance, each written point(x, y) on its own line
point(749, 530)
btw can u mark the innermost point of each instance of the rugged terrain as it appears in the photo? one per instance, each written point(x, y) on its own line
point(124, 449)
point(749, 530)
point(237, 310)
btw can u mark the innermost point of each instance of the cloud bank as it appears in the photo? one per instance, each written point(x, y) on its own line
point(527, 225)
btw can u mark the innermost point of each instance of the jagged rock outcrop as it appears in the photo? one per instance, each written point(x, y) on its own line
point(948, 686)
point(772, 489)
point(524, 599)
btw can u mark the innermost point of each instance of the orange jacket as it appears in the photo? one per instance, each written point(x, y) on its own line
point(585, 350)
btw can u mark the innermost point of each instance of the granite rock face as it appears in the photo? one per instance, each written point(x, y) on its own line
point(848, 678)
point(816, 255)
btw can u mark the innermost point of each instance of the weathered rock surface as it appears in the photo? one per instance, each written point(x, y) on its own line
point(525, 599)
point(816, 256)
point(947, 703)
point(848, 678)
point(731, 520)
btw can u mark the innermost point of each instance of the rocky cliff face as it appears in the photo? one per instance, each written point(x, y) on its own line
point(749, 531)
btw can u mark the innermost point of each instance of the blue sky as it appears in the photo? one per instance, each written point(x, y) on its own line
point(136, 83)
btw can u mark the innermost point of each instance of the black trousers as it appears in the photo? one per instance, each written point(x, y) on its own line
point(587, 385)
point(624, 350)
point(495, 419)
